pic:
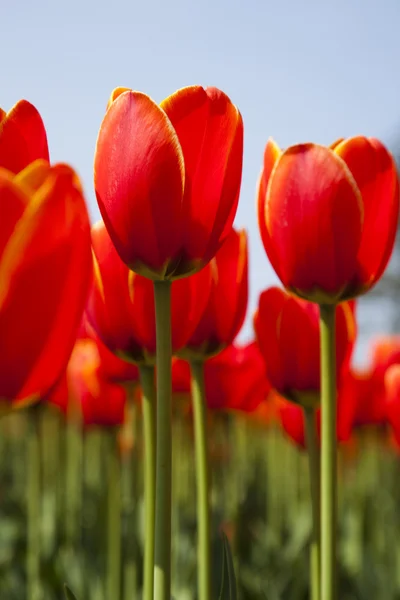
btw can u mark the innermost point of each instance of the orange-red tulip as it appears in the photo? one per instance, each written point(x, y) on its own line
point(234, 379)
point(287, 330)
point(226, 308)
point(292, 418)
point(368, 387)
point(392, 404)
point(167, 177)
point(328, 216)
point(45, 269)
point(113, 368)
point(23, 137)
point(121, 304)
point(85, 393)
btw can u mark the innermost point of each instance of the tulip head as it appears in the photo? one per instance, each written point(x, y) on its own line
point(121, 304)
point(287, 330)
point(328, 216)
point(45, 270)
point(167, 178)
point(225, 311)
point(23, 137)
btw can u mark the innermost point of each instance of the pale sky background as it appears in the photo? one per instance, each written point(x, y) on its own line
point(297, 70)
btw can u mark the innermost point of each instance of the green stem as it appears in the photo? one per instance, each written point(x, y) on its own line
point(73, 483)
point(314, 468)
point(202, 479)
point(328, 452)
point(33, 507)
point(147, 383)
point(113, 520)
point(162, 556)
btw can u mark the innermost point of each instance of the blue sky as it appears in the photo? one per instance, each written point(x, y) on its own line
point(298, 71)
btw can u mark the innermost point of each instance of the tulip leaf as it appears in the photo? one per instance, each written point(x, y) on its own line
point(228, 589)
point(68, 594)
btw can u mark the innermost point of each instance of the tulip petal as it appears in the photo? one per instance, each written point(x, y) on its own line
point(139, 181)
point(43, 282)
point(109, 307)
point(271, 155)
point(314, 220)
point(210, 131)
point(23, 137)
point(374, 171)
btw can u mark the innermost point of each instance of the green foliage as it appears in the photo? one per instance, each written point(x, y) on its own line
point(228, 579)
point(68, 594)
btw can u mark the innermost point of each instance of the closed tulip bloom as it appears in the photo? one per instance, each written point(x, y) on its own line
point(225, 311)
point(167, 178)
point(121, 304)
point(291, 417)
point(45, 270)
point(368, 386)
point(392, 404)
point(23, 137)
point(85, 394)
point(287, 330)
point(328, 216)
point(236, 379)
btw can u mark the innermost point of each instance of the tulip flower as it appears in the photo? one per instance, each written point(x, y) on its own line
point(392, 387)
point(85, 393)
point(292, 417)
point(234, 379)
point(328, 219)
point(167, 182)
point(23, 137)
point(226, 308)
point(367, 387)
point(167, 177)
point(45, 267)
point(287, 330)
point(121, 304)
point(288, 333)
point(328, 216)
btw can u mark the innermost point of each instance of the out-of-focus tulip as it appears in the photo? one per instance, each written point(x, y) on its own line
point(226, 308)
point(392, 387)
point(287, 330)
point(167, 177)
point(121, 304)
point(45, 270)
point(113, 368)
point(368, 386)
point(234, 379)
point(23, 137)
point(292, 418)
point(85, 393)
point(328, 216)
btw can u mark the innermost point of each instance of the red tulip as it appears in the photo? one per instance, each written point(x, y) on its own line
point(226, 308)
point(287, 329)
point(234, 380)
point(121, 304)
point(23, 137)
point(85, 393)
point(167, 178)
point(292, 418)
point(392, 388)
point(113, 368)
point(45, 267)
point(328, 216)
point(368, 387)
